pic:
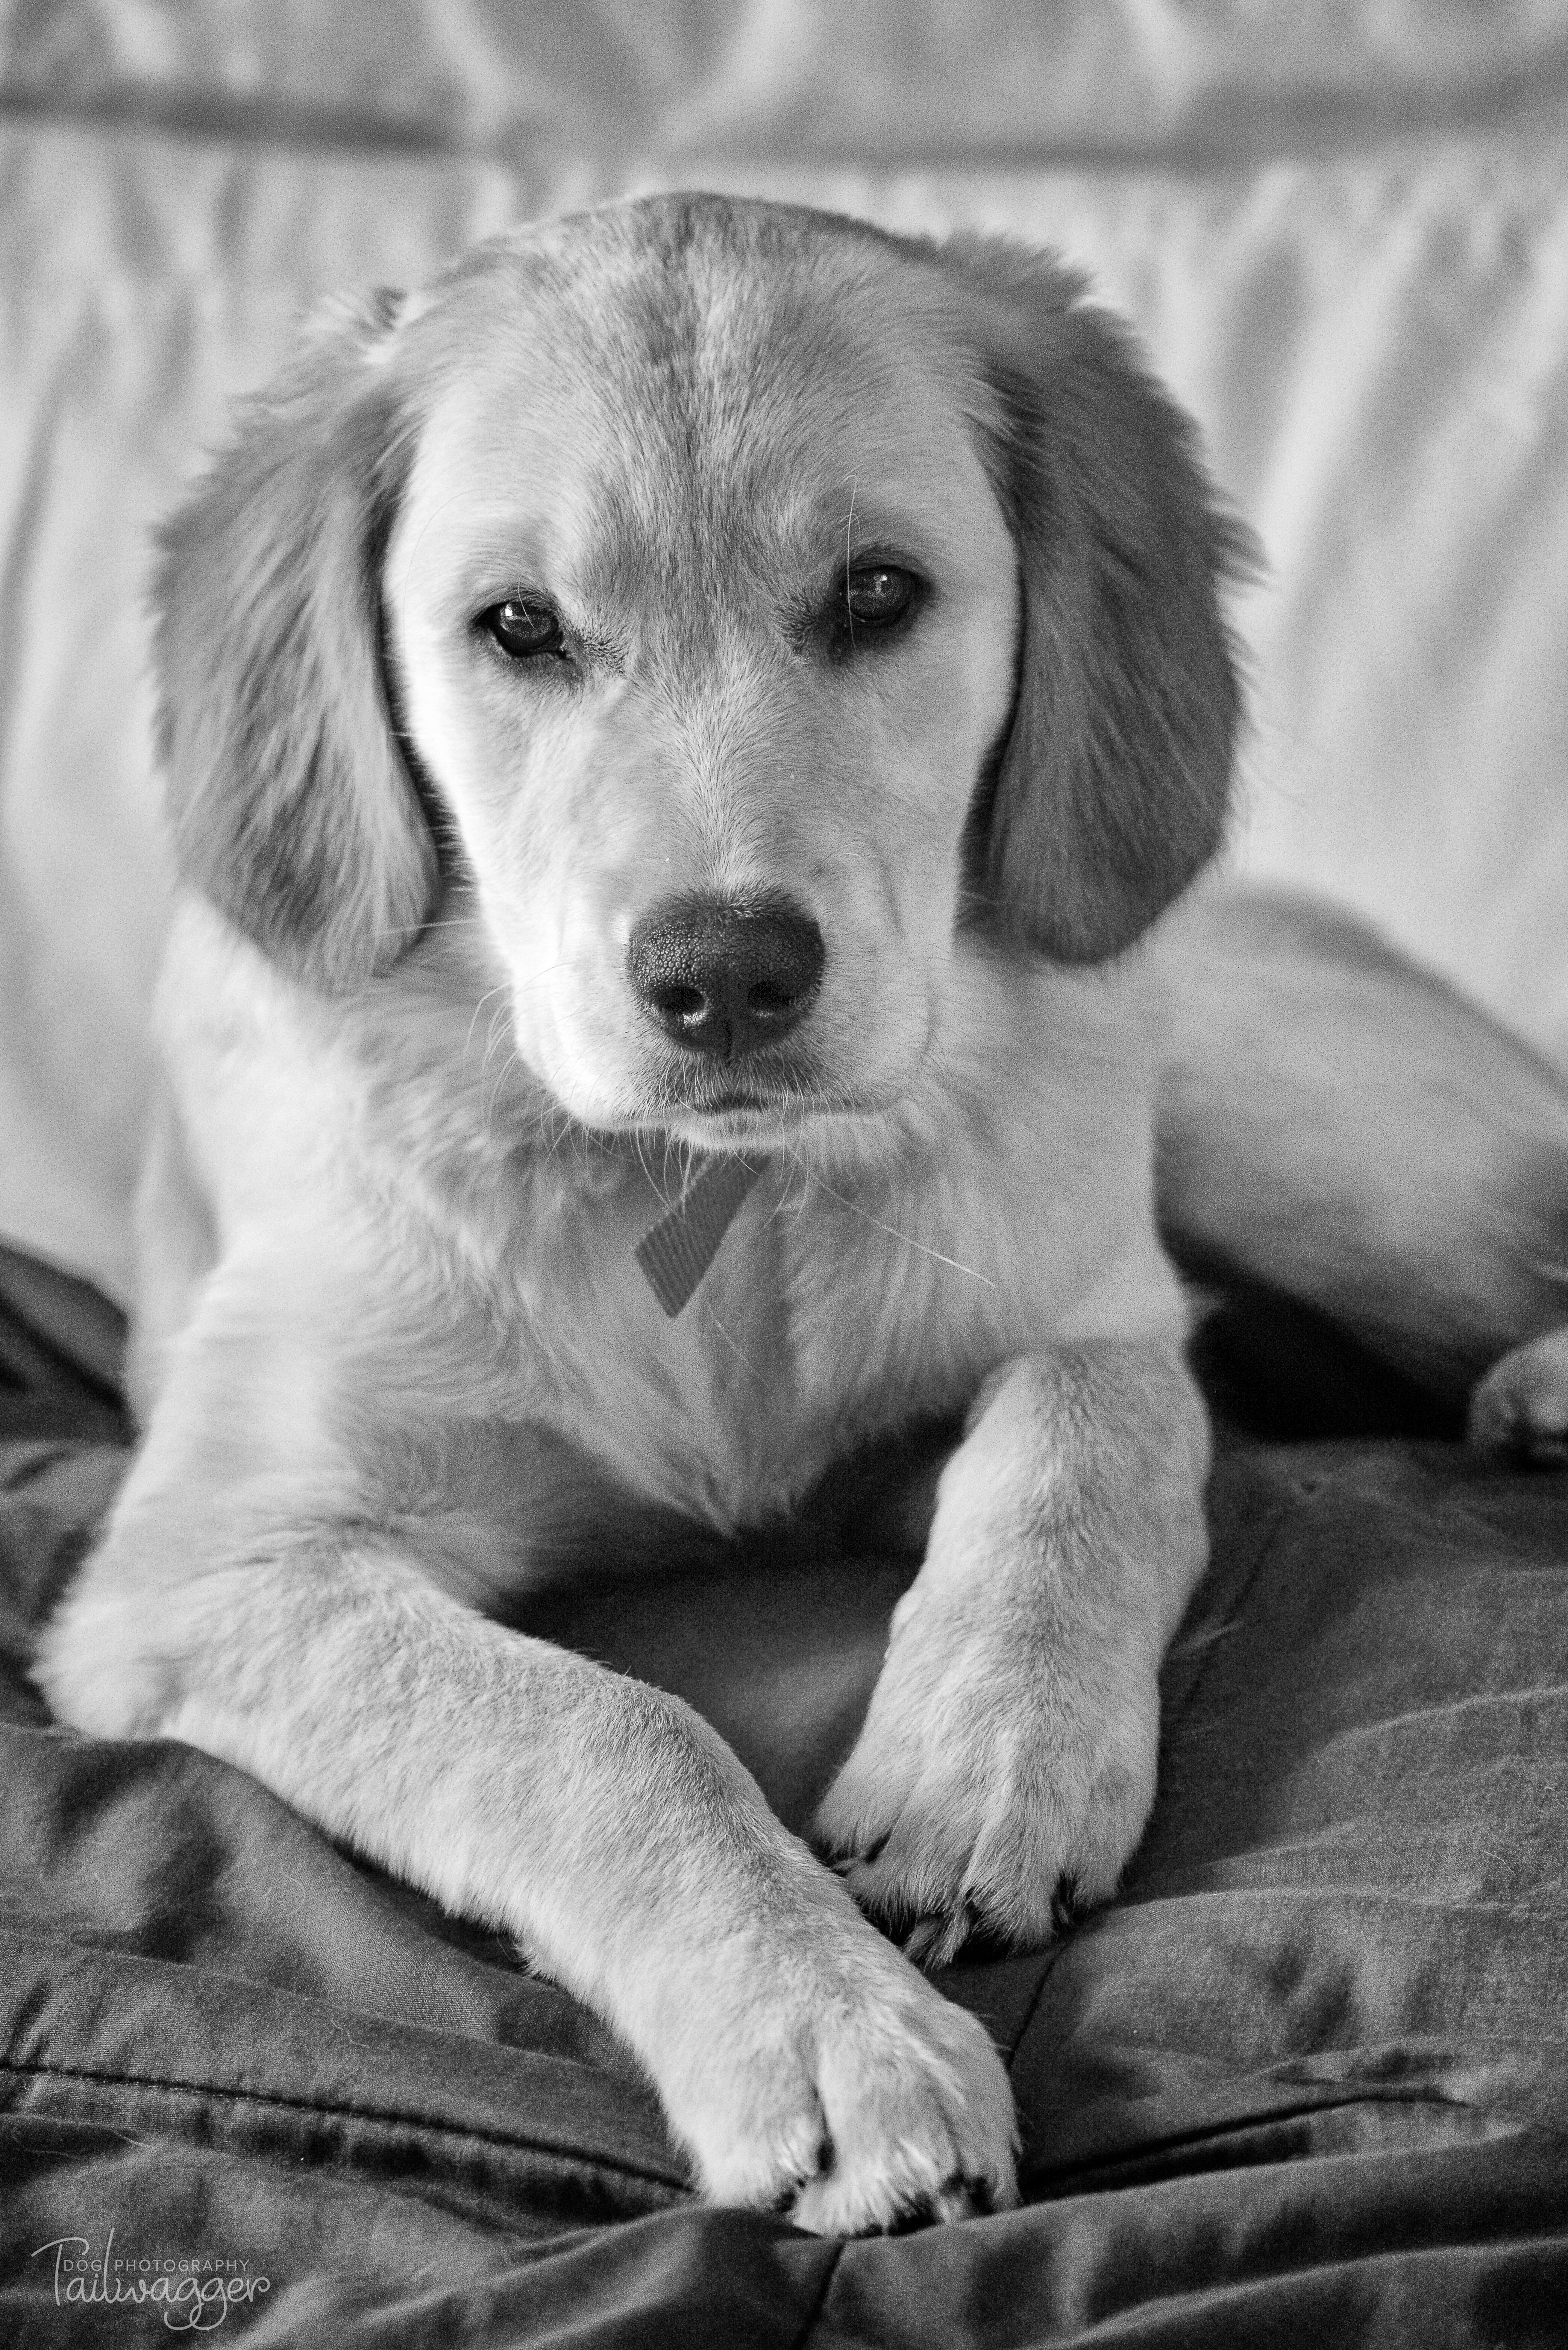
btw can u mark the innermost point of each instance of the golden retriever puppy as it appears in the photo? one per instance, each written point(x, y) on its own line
point(672, 733)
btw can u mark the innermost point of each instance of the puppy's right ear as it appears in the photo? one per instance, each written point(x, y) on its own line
point(292, 808)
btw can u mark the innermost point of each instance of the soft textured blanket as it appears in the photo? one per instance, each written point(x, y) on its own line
point(1305, 2081)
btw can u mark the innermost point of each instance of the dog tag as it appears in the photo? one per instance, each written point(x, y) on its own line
point(677, 1251)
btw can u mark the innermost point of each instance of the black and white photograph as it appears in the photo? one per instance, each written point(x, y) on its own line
point(784, 1174)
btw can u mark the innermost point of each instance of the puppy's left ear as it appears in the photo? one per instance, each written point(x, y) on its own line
point(1112, 785)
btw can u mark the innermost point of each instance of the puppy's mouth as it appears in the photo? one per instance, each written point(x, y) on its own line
point(773, 1085)
point(745, 1110)
point(735, 1116)
point(767, 1098)
point(728, 1115)
point(738, 1125)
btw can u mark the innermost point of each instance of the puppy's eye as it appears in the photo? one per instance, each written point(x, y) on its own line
point(879, 594)
point(523, 628)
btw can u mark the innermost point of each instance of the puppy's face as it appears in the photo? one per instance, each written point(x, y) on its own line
point(703, 614)
point(751, 588)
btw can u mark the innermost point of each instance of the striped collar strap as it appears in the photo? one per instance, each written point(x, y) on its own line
point(677, 1251)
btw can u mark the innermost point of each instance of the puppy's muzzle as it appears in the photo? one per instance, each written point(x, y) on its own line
point(725, 979)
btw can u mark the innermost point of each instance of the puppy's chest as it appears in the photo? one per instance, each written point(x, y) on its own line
point(704, 1410)
point(823, 1319)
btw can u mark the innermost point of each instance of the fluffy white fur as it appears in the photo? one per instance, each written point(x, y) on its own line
point(393, 1351)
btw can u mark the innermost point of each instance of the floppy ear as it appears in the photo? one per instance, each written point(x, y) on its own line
point(291, 806)
point(1112, 786)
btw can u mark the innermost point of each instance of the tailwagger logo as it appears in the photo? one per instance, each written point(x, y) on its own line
point(194, 2291)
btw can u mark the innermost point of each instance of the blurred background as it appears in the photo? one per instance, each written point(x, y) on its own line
point(1341, 227)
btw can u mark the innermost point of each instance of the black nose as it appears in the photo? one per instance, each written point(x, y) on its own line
point(722, 978)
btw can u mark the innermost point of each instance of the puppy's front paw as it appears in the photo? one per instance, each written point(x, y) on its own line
point(822, 2077)
point(995, 1786)
point(1520, 1407)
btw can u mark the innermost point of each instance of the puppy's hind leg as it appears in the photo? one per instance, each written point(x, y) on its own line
point(1336, 1123)
point(1522, 1405)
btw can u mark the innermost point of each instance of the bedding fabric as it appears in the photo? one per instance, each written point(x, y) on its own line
point(1303, 2081)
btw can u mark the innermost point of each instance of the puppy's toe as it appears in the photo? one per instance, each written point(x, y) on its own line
point(936, 1942)
point(909, 1878)
point(1069, 1903)
point(860, 1811)
point(1521, 1407)
point(819, 2207)
point(764, 2151)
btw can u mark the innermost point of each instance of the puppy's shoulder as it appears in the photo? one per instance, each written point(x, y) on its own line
point(257, 1063)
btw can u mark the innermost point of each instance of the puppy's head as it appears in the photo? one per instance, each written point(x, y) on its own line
point(761, 598)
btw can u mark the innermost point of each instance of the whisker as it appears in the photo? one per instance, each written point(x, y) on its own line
point(435, 922)
point(513, 1061)
point(893, 1233)
point(477, 1010)
point(497, 1029)
point(735, 1348)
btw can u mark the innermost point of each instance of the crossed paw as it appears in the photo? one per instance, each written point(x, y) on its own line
point(824, 2079)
